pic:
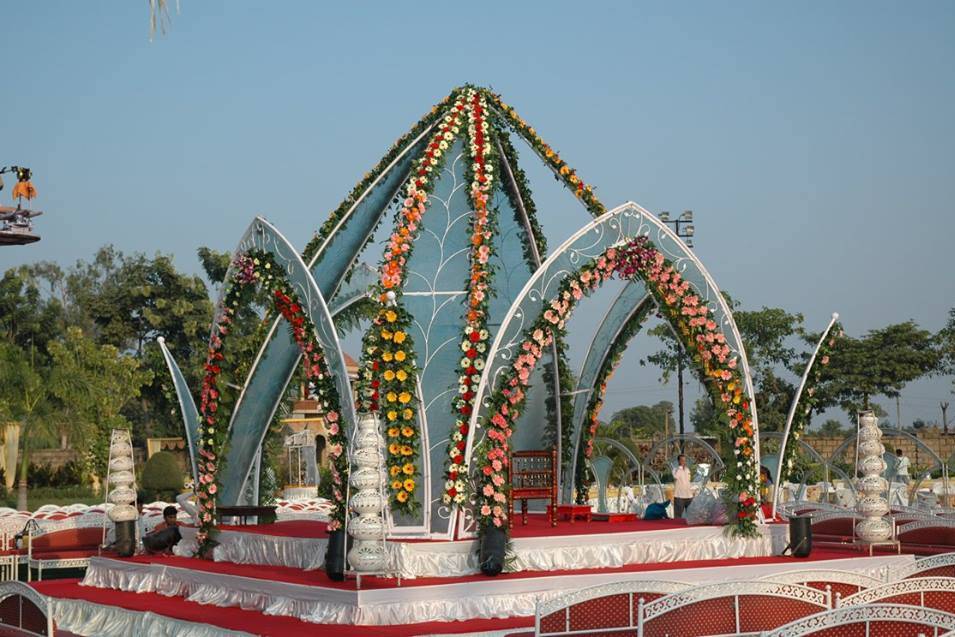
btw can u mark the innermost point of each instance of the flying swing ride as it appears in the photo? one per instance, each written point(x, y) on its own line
point(16, 225)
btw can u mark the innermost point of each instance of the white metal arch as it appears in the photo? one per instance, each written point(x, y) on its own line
point(614, 228)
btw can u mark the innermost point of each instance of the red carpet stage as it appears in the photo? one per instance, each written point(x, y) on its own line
point(266, 580)
point(285, 601)
point(535, 547)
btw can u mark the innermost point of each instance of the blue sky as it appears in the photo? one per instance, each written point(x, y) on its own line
point(813, 140)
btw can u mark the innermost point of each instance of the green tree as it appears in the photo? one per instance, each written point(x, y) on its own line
point(879, 364)
point(705, 419)
point(22, 394)
point(641, 421)
point(768, 335)
point(946, 346)
point(94, 383)
point(26, 317)
point(832, 428)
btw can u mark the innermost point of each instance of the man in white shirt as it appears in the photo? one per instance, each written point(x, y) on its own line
point(902, 467)
point(682, 491)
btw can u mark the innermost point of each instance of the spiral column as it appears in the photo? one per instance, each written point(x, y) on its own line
point(872, 505)
point(369, 553)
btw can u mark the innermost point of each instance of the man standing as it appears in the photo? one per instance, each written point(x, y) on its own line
point(902, 467)
point(682, 491)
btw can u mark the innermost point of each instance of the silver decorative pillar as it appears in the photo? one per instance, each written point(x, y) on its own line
point(121, 491)
point(369, 553)
point(872, 505)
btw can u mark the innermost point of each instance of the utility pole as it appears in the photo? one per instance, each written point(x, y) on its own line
point(944, 406)
point(684, 228)
point(679, 380)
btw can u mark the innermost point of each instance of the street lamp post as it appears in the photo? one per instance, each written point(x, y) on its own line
point(684, 228)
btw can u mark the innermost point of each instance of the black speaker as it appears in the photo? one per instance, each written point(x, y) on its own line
point(335, 555)
point(125, 544)
point(800, 536)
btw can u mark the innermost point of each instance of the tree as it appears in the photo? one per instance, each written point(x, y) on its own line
point(641, 421)
point(945, 340)
point(22, 393)
point(879, 364)
point(94, 383)
point(832, 428)
point(705, 419)
point(768, 334)
point(671, 359)
point(128, 302)
point(26, 318)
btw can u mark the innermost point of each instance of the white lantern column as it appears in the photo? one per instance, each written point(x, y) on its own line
point(873, 528)
point(368, 500)
point(121, 491)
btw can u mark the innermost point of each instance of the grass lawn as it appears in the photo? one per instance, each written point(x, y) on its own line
point(60, 496)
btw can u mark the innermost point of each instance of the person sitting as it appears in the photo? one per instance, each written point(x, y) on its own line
point(166, 534)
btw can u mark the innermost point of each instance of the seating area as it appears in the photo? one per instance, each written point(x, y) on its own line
point(800, 602)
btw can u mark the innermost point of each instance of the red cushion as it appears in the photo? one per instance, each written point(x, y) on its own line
point(69, 539)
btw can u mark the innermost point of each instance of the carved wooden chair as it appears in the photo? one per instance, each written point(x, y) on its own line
point(533, 476)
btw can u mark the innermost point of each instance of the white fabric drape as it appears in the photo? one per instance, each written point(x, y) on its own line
point(456, 600)
point(458, 559)
point(85, 618)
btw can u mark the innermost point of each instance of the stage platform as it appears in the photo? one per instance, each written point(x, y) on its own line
point(534, 547)
point(187, 596)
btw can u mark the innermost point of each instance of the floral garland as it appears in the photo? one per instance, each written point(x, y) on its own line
point(561, 169)
point(368, 178)
point(388, 383)
point(595, 403)
point(252, 269)
point(808, 399)
point(701, 335)
point(474, 340)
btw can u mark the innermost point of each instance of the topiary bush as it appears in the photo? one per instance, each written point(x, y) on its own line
point(162, 477)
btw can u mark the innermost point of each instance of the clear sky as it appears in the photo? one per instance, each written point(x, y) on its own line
point(814, 141)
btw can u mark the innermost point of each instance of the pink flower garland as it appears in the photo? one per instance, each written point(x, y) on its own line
point(690, 316)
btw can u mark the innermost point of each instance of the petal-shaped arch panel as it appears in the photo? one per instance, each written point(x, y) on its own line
point(246, 435)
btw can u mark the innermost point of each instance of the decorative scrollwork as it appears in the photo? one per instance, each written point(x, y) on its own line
point(734, 589)
point(847, 615)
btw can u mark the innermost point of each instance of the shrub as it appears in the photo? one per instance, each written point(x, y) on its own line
point(162, 477)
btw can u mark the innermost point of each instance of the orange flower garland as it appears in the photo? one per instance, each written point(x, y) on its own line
point(388, 384)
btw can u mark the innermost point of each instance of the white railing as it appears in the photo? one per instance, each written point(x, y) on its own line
point(827, 576)
point(924, 564)
point(731, 590)
point(919, 585)
point(25, 593)
point(933, 620)
point(632, 589)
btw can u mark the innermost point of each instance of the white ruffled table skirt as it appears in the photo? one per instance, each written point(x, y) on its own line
point(80, 617)
point(459, 559)
point(453, 601)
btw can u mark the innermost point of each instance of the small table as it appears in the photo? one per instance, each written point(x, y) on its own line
point(245, 512)
point(572, 512)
